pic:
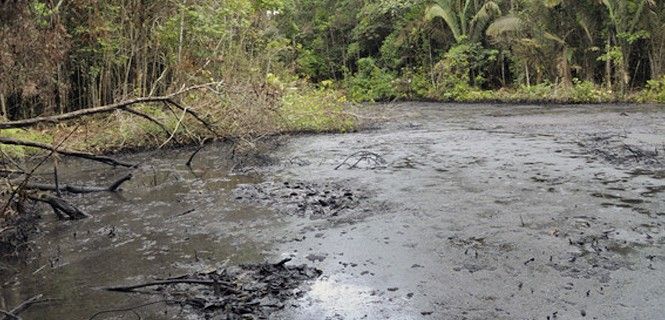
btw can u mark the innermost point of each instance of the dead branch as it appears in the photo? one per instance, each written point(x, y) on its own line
point(175, 130)
point(10, 315)
point(14, 312)
point(10, 172)
point(29, 174)
point(148, 117)
point(191, 157)
point(362, 155)
point(61, 207)
point(183, 213)
point(195, 115)
point(71, 153)
point(102, 109)
point(11, 160)
point(227, 286)
point(79, 189)
point(56, 179)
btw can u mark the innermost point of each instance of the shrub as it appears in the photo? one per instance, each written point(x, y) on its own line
point(654, 91)
point(459, 74)
point(315, 110)
point(370, 83)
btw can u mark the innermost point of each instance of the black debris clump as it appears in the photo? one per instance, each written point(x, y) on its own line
point(302, 199)
point(252, 291)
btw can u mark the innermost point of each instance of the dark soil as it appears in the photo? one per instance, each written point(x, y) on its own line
point(614, 149)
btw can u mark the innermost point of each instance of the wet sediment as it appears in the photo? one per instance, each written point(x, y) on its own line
point(447, 211)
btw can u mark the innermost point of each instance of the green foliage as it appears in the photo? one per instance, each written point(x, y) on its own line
point(315, 110)
point(537, 92)
point(654, 91)
point(579, 92)
point(370, 83)
point(461, 69)
point(412, 84)
point(587, 92)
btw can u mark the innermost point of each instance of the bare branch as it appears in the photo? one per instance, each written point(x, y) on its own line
point(227, 286)
point(149, 117)
point(101, 109)
point(13, 313)
point(61, 206)
point(79, 189)
point(71, 153)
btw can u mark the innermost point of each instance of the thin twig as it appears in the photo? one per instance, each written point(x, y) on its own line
point(11, 160)
point(175, 130)
point(195, 115)
point(362, 155)
point(191, 157)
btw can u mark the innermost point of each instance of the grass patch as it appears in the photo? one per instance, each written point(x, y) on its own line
point(23, 134)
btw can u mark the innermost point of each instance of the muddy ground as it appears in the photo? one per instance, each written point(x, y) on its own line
point(443, 211)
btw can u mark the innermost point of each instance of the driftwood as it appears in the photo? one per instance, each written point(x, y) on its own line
point(227, 286)
point(71, 153)
point(61, 207)
point(78, 189)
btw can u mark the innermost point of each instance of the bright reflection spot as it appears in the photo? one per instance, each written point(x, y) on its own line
point(342, 297)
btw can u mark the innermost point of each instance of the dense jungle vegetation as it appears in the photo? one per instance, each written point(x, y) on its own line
point(292, 64)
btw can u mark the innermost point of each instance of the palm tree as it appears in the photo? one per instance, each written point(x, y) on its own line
point(466, 19)
point(624, 17)
point(546, 29)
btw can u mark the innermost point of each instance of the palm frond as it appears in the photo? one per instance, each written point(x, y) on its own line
point(488, 12)
point(504, 26)
point(445, 11)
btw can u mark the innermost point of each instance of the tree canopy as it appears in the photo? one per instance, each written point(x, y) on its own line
point(78, 54)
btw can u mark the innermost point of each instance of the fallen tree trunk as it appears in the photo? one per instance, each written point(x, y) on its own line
point(61, 207)
point(71, 153)
point(78, 189)
point(103, 109)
